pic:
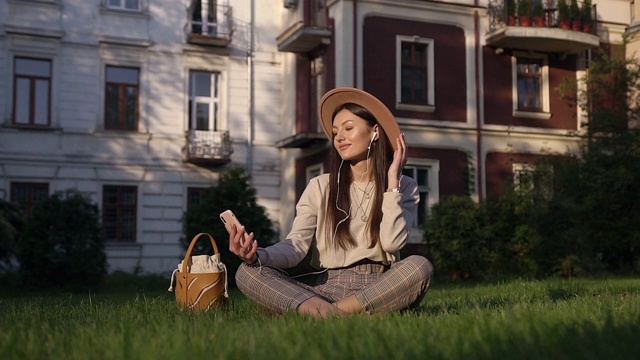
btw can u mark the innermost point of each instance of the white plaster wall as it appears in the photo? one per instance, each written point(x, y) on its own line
point(4, 77)
point(81, 155)
point(614, 11)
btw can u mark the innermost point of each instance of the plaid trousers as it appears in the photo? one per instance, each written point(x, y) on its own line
point(377, 287)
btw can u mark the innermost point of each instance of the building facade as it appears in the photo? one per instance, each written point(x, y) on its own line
point(473, 84)
point(141, 103)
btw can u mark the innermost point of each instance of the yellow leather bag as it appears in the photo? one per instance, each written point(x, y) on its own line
point(200, 281)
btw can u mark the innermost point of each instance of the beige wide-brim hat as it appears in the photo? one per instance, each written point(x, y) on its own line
point(338, 96)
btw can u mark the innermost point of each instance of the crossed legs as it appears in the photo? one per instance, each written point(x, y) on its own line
point(399, 287)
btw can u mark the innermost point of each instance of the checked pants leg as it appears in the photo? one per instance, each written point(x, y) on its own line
point(399, 287)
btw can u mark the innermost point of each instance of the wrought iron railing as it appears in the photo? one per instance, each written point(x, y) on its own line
point(204, 144)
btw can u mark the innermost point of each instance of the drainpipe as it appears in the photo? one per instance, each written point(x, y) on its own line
point(355, 43)
point(250, 90)
point(478, 53)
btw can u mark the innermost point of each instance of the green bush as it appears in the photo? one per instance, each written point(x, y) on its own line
point(510, 237)
point(454, 238)
point(574, 10)
point(524, 8)
point(587, 15)
point(491, 239)
point(233, 191)
point(581, 214)
point(511, 7)
point(62, 245)
point(563, 10)
point(11, 225)
point(598, 195)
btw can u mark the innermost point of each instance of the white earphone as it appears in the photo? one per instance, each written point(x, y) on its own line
point(372, 138)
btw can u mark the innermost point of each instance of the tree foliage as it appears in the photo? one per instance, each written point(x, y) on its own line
point(580, 217)
point(454, 238)
point(62, 243)
point(11, 225)
point(605, 181)
point(233, 191)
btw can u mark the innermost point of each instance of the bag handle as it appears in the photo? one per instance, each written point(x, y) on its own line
point(187, 256)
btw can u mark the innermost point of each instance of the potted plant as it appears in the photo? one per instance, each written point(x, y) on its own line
point(587, 16)
point(524, 12)
point(538, 13)
point(575, 15)
point(564, 20)
point(511, 12)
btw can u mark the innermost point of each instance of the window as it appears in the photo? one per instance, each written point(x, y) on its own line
point(425, 173)
point(415, 73)
point(27, 195)
point(119, 212)
point(531, 86)
point(204, 9)
point(32, 92)
point(124, 4)
point(121, 98)
point(523, 176)
point(421, 175)
point(313, 171)
point(204, 101)
point(527, 177)
point(194, 196)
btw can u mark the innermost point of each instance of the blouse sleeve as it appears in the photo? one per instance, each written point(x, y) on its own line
point(399, 211)
point(289, 252)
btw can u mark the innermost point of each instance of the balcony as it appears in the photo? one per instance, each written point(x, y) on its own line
point(208, 147)
point(546, 26)
point(210, 24)
point(302, 140)
point(303, 39)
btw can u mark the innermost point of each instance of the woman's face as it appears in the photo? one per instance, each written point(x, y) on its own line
point(352, 136)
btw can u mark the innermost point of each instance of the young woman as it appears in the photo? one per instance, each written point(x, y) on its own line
point(354, 220)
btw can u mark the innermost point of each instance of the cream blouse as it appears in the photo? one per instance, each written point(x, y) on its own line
point(308, 231)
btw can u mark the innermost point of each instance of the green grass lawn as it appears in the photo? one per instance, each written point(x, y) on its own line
point(550, 319)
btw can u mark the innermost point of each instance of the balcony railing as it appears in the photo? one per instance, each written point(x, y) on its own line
point(210, 24)
point(208, 147)
point(547, 28)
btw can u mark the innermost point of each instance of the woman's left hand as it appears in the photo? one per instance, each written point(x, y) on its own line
point(399, 161)
point(242, 244)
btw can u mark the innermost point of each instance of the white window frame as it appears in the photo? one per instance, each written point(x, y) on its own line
point(47, 1)
point(518, 168)
point(432, 189)
point(31, 48)
point(215, 112)
point(208, 28)
point(313, 171)
point(431, 105)
point(546, 112)
point(122, 5)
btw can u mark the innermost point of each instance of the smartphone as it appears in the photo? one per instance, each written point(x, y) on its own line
point(229, 218)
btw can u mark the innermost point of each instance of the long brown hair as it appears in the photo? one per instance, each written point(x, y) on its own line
point(339, 194)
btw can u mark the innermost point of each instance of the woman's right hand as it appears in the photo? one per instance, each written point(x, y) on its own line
point(399, 161)
point(245, 247)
